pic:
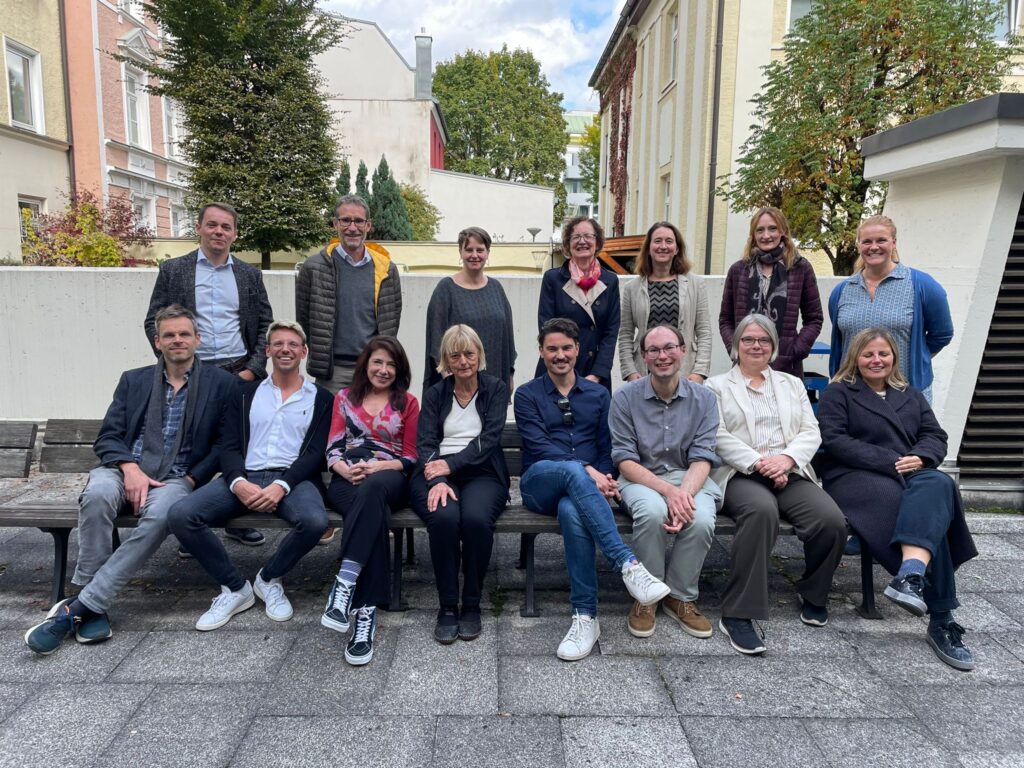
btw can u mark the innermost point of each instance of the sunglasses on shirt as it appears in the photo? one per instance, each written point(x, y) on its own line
point(566, 408)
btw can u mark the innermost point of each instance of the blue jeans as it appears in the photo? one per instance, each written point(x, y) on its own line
point(564, 489)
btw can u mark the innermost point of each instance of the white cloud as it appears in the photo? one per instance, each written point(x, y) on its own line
point(567, 39)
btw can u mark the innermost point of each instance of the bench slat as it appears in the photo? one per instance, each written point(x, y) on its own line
point(15, 462)
point(67, 458)
point(71, 431)
point(18, 434)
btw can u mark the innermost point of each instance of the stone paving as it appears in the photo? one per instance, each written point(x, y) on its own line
point(260, 693)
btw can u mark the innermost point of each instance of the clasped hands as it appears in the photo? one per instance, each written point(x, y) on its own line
point(776, 469)
point(259, 499)
point(907, 464)
point(356, 472)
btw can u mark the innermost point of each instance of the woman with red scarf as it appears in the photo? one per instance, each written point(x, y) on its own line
point(773, 280)
point(588, 294)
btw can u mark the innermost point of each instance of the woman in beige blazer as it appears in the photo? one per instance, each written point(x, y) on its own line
point(767, 436)
point(665, 293)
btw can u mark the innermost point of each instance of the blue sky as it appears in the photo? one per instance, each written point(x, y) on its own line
point(567, 38)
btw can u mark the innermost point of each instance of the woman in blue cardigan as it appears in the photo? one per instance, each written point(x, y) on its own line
point(588, 294)
point(884, 293)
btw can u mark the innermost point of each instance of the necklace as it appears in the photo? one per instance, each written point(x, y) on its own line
point(467, 400)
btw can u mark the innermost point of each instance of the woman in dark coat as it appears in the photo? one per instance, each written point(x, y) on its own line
point(882, 449)
point(772, 279)
point(461, 484)
point(588, 294)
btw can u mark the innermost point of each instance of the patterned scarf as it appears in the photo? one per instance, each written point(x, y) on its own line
point(768, 296)
point(585, 281)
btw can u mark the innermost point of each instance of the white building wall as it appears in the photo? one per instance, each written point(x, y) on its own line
point(365, 65)
point(31, 169)
point(504, 209)
point(399, 130)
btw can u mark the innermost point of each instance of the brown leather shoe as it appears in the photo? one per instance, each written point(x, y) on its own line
point(690, 619)
point(641, 620)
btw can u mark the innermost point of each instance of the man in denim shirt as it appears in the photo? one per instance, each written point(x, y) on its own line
point(567, 466)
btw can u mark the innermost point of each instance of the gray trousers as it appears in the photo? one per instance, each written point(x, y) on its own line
point(680, 569)
point(341, 377)
point(101, 570)
point(817, 521)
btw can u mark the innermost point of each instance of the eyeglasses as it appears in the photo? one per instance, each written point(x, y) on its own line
point(755, 341)
point(579, 238)
point(566, 408)
point(468, 354)
point(347, 222)
point(668, 349)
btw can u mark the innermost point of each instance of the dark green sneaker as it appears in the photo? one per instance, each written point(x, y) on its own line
point(94, 630)
point(46, 637)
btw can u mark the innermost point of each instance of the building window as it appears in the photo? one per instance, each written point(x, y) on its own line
point(134, 8)
point(666, 191)
point(1006, 25)
point(172, 129)
point(143, 208)
point(136, 110)
point(180, 225)
point(672, 44)
point(35, 207)
point(24, 87)
point(797, 10)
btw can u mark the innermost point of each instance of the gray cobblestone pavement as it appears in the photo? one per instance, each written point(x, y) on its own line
point(261, 693)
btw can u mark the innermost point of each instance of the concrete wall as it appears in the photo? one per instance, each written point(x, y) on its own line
point(69, 333)
point(504, 209)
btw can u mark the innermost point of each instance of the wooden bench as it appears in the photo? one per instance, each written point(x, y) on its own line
point(67, 448)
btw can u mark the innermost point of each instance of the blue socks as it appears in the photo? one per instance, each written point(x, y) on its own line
point(911, 566)
point(349, 572)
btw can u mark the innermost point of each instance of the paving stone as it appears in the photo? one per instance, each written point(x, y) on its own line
point(12, 695)
point(647, 741)
point(205, 657)
point(315, 678)
point(498, 741)
point(185, 725)
point(776, 687)
point(535, 636)
point(329, 742)
point(71, 663)
point(995, 547)
point(906, 659)
point(968, 718)
point(597, 685)
point(1011, 641)
point(729, 742)
point(1010, 603)
point(895, 620)
point(990, 576)
point(889, 743)
point(88, 716)
point(991, 759)
point(990, 523)
point(429, 678)
point(19, 610)
point(978, 614)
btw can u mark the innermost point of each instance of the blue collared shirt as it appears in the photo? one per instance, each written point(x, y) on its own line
point(173, 416)
point(545, 434)
point(361, 262)
point(217, 314)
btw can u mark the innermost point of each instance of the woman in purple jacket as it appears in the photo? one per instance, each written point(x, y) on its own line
point(772, 279)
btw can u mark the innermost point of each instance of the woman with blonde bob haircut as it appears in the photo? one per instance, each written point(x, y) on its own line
point(774, 280)
point(883, 447)
point(665, 293)
point(461, 484)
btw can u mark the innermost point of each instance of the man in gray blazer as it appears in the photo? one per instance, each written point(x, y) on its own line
point(231, 307)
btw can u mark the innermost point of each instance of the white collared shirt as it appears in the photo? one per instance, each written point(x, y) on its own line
point(218, 319)
point(361, 262)
point(277, 428)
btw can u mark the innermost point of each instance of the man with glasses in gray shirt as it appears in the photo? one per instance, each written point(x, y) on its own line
point(663, 429)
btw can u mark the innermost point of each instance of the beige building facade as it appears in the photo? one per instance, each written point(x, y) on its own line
point(34, 138)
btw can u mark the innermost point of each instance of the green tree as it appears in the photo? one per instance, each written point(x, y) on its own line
point(344, 181)
point(257, 128)
point(424, 216)
point(387, 209)
point(590, 159)
point(504, 121)
point(362, 186)
point(852, 68)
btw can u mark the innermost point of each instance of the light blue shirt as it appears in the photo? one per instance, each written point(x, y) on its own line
point(355, 262)
point(217, 316)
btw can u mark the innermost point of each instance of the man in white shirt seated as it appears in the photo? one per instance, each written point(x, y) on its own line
point(275, 440)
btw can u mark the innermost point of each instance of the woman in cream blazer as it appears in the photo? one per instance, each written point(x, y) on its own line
point(767, 436)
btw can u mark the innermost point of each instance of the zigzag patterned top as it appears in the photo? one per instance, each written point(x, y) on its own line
point(664, 303)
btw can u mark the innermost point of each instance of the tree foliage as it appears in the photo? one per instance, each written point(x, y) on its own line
point(362, 185)
point(590, 159)
point(504, 121)
point(86, 233)
point(387, 209)
point(424, 216)
point(852, 68)
point(343, 184)
point(257, 128)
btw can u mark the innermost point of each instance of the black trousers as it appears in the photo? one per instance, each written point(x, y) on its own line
point(366, 508)
point(461, 532)
point(756, 508)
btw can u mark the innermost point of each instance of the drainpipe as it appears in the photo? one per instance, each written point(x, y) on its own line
point(67, 96)
point(715, 109)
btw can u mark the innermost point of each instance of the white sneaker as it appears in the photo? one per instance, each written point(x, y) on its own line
point(644, 588)
point(579, 640)
point(226, 605)
point(272, 593)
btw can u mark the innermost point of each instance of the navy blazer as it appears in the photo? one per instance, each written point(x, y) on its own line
point(127, 414)
point(176, 284)
point(860, 430)
point(312, 455)
point(598, 334)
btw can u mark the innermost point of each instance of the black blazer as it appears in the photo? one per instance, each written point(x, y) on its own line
point(860, 430)
point(311, 461)
point(485, 450)
point(176, 284)
point(127, 414)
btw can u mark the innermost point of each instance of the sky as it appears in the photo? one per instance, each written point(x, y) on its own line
point(567, 38)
